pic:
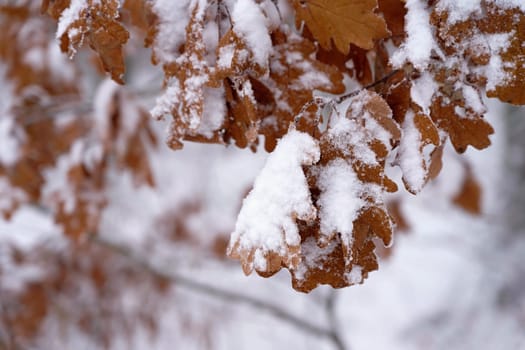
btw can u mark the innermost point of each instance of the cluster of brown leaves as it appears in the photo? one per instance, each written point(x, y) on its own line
point(95, 272)
point(346, 256)
point(455, 112)
point(258, 97)
point(221, 89)
point(59, 136)
point(97, 25)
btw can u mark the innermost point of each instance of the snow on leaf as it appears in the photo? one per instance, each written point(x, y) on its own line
point(167, 31)
point(249, 22)
point(242, 125)
point(512, 21)
point(74, 189)
point(295, 74)
point(341, 22)
point(491, 38)
point(186, 78)
point(420, 42)
point(420, 138)
point(95, 22)
point(266, 235)
point(463, 130)
point(349, 183)
point(121, 125)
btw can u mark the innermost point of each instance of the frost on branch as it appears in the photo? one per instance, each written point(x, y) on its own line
point(266, 235)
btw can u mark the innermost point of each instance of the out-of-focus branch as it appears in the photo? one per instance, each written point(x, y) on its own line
point(334, 328)
point(226, 295)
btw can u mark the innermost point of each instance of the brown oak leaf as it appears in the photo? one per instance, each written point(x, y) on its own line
point(341, 22)
point(347, 186)
point(97, 24)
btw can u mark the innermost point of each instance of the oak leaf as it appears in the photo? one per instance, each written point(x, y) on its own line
point(98, 25)
point(295, 74)
point(348, 185)
point(266, 234)
point(341, 22)
point(463, 130)
point(186, 79)
point(469, 196)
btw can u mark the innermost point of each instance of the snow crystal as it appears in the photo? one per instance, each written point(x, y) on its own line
point(271, 12)
point(350, 135)
point(173, 17)
point(345, 132)
point(495, 72)
point(339, 202)
point(250, 23)
point(473, 99)
point(310, 79)
point(213, 112)
point(459, 10)
point(422, 90)
point(70, 15)
point(312, 256)
point(510, 4)
point(165, 102)
point(410, 156)
point(225, 58)
point(280, 194)
point(420, 41)
point(103, 103)
point(355, 276)
point(9, 142)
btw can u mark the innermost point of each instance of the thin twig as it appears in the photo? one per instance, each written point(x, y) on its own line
point(369, 86)
point(332, 320)
point(321, 102)
point(220, 293)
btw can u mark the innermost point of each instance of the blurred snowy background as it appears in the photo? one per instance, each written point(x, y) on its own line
point(453, 280)
point(155, 275)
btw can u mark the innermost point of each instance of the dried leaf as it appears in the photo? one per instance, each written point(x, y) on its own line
point(266, 235)
point(348, 186)
point(463, 130)
point(294, 76)
point(469, 195)
point(97, 24)
point(341, 22)
point(420, 139)
point(186, 79)
point(394, 13)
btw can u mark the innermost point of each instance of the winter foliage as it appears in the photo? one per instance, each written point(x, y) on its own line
point(354, 100)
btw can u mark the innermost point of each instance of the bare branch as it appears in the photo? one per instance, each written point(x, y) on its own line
point(223, 294)
point(334, 329)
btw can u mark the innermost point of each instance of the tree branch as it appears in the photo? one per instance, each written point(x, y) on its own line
point(334, 331)
point(321, 102)
point(223, 294)
point(369, 86)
